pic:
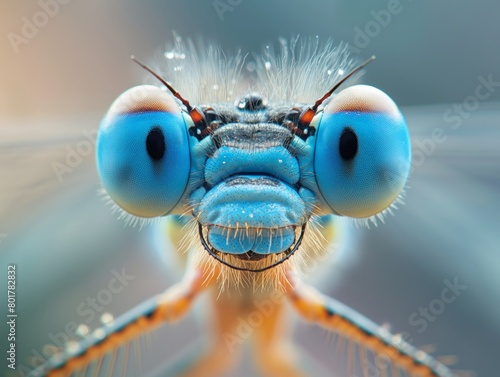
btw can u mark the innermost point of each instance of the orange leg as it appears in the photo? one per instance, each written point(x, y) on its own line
point(165, 308)
point(335, 316)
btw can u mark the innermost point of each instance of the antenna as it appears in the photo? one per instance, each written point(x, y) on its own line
point(176, 94)
point(335, 87)
point(196, 115)
point(306, 117)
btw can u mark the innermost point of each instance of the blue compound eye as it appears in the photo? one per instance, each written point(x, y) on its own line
point(143, 154)
point(362, 153)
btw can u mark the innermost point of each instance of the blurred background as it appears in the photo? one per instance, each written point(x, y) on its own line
point(64, 62)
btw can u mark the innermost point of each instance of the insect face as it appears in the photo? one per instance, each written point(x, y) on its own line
point(252, 173)
point(252, 203)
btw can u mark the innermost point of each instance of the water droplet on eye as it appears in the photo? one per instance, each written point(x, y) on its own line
point(341, 72)
point(107, 319)
point(250, 66)
point(267, 65)
point(82, 330)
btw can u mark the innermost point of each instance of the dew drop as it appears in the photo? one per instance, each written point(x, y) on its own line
point(397, 338)
point(169, 55)
point(267, 65)
point(341, 72)
point(82, 330)
point(72, 347)
point(216, 86)
point(250, 66)
point(99, 333)
point(329, 72)
point(107, 319)
point(57, 358)
point(420, 355)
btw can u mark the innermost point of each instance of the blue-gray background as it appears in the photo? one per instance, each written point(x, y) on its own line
point(430, 56)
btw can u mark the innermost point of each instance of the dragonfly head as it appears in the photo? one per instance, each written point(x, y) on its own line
point(251, 173)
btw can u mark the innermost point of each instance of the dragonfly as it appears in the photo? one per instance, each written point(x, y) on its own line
point(253, 178)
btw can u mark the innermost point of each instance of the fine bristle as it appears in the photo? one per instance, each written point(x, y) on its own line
point(296, 71)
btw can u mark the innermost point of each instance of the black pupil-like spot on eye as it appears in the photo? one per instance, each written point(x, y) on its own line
point(155, 143)
point(348, 146)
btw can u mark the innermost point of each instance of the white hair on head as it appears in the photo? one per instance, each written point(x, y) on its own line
point(302, 70)
point(201, 72)
point(298, 71)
